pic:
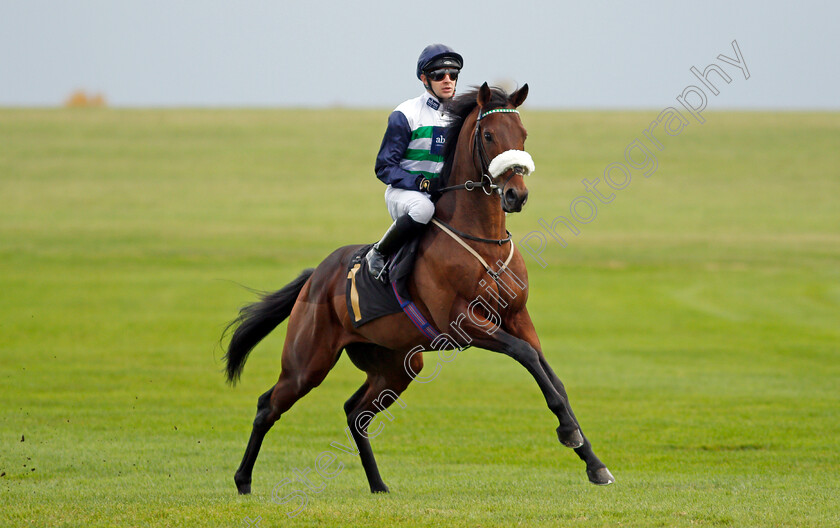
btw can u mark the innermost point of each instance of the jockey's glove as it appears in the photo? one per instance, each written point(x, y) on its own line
point(428, 185)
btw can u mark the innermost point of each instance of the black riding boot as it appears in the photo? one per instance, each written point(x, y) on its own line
point(401, 231)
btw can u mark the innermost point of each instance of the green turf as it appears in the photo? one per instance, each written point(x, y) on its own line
point(695, 322)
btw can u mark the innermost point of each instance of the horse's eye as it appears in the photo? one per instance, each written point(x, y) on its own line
point(488, 136)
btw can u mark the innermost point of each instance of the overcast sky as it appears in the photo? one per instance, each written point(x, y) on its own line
point(363, 53)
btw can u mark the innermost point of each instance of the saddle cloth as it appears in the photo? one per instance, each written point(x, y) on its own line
point(369, 298)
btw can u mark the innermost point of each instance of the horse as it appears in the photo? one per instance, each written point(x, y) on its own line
point(445, 283)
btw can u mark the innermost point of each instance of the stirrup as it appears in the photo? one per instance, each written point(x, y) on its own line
point(374, 254)
point(382, 276)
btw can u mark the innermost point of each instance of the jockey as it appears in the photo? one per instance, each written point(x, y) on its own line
point(410, 158)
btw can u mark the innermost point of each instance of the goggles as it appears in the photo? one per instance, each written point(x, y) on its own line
point(439, 75)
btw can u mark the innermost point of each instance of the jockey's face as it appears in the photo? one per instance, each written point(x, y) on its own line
point(443, 89)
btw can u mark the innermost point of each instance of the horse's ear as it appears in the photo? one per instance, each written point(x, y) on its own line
point(518, 97)
point(483, 96)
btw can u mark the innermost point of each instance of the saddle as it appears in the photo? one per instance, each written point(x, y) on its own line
point(369, 298)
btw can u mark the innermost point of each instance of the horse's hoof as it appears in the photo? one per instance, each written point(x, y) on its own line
point(242, 486)
point(572, 440)
point(380, 488)
point(600, 477)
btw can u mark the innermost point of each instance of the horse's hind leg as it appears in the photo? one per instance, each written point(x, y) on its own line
point(261, 426)
point(358, 416)
point(387, 379)
point(306, 362)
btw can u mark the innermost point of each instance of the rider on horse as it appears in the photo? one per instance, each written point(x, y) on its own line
point(411, 156)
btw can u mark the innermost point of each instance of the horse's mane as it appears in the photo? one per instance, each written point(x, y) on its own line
point(457, 110)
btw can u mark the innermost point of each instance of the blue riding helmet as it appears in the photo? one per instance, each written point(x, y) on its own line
point(436, 56)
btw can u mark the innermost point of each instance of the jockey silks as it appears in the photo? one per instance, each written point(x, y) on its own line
point(413, 143)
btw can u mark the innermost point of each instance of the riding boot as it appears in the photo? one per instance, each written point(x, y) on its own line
point(401, 231)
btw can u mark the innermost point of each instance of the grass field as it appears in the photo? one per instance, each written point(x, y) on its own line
point(695, 322)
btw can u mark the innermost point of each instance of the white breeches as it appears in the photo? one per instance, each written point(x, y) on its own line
point(415, 203)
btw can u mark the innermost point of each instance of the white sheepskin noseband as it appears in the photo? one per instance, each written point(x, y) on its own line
point(511, 158)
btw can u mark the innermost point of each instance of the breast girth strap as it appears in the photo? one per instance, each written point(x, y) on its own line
point(494, 274)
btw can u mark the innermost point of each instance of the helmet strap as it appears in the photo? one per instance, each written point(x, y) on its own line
point(431, 90)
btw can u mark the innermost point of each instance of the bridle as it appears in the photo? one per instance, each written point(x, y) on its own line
point(513, 161)
point(488, 182)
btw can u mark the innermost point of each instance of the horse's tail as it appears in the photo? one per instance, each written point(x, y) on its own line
point(257, 320)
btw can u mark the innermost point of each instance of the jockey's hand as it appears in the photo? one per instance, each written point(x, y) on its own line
point(430, 186)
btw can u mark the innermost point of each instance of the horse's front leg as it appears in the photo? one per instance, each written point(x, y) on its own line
point(520, 328)
point(568, 432)
point(595, 469)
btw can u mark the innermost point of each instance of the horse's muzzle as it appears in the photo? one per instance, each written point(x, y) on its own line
point(513, 200)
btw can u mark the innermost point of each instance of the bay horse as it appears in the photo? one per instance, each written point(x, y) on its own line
point(445, 280)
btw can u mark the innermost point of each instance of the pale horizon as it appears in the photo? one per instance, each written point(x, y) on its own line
point(598, 56)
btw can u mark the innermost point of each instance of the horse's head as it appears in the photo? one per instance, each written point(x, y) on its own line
point(499, 147)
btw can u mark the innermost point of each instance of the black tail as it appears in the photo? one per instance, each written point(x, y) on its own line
point(257, 320)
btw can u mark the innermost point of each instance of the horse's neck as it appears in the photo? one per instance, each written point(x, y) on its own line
point(473, 212)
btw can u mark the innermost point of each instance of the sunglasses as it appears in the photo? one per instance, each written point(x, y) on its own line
point(439, 75)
